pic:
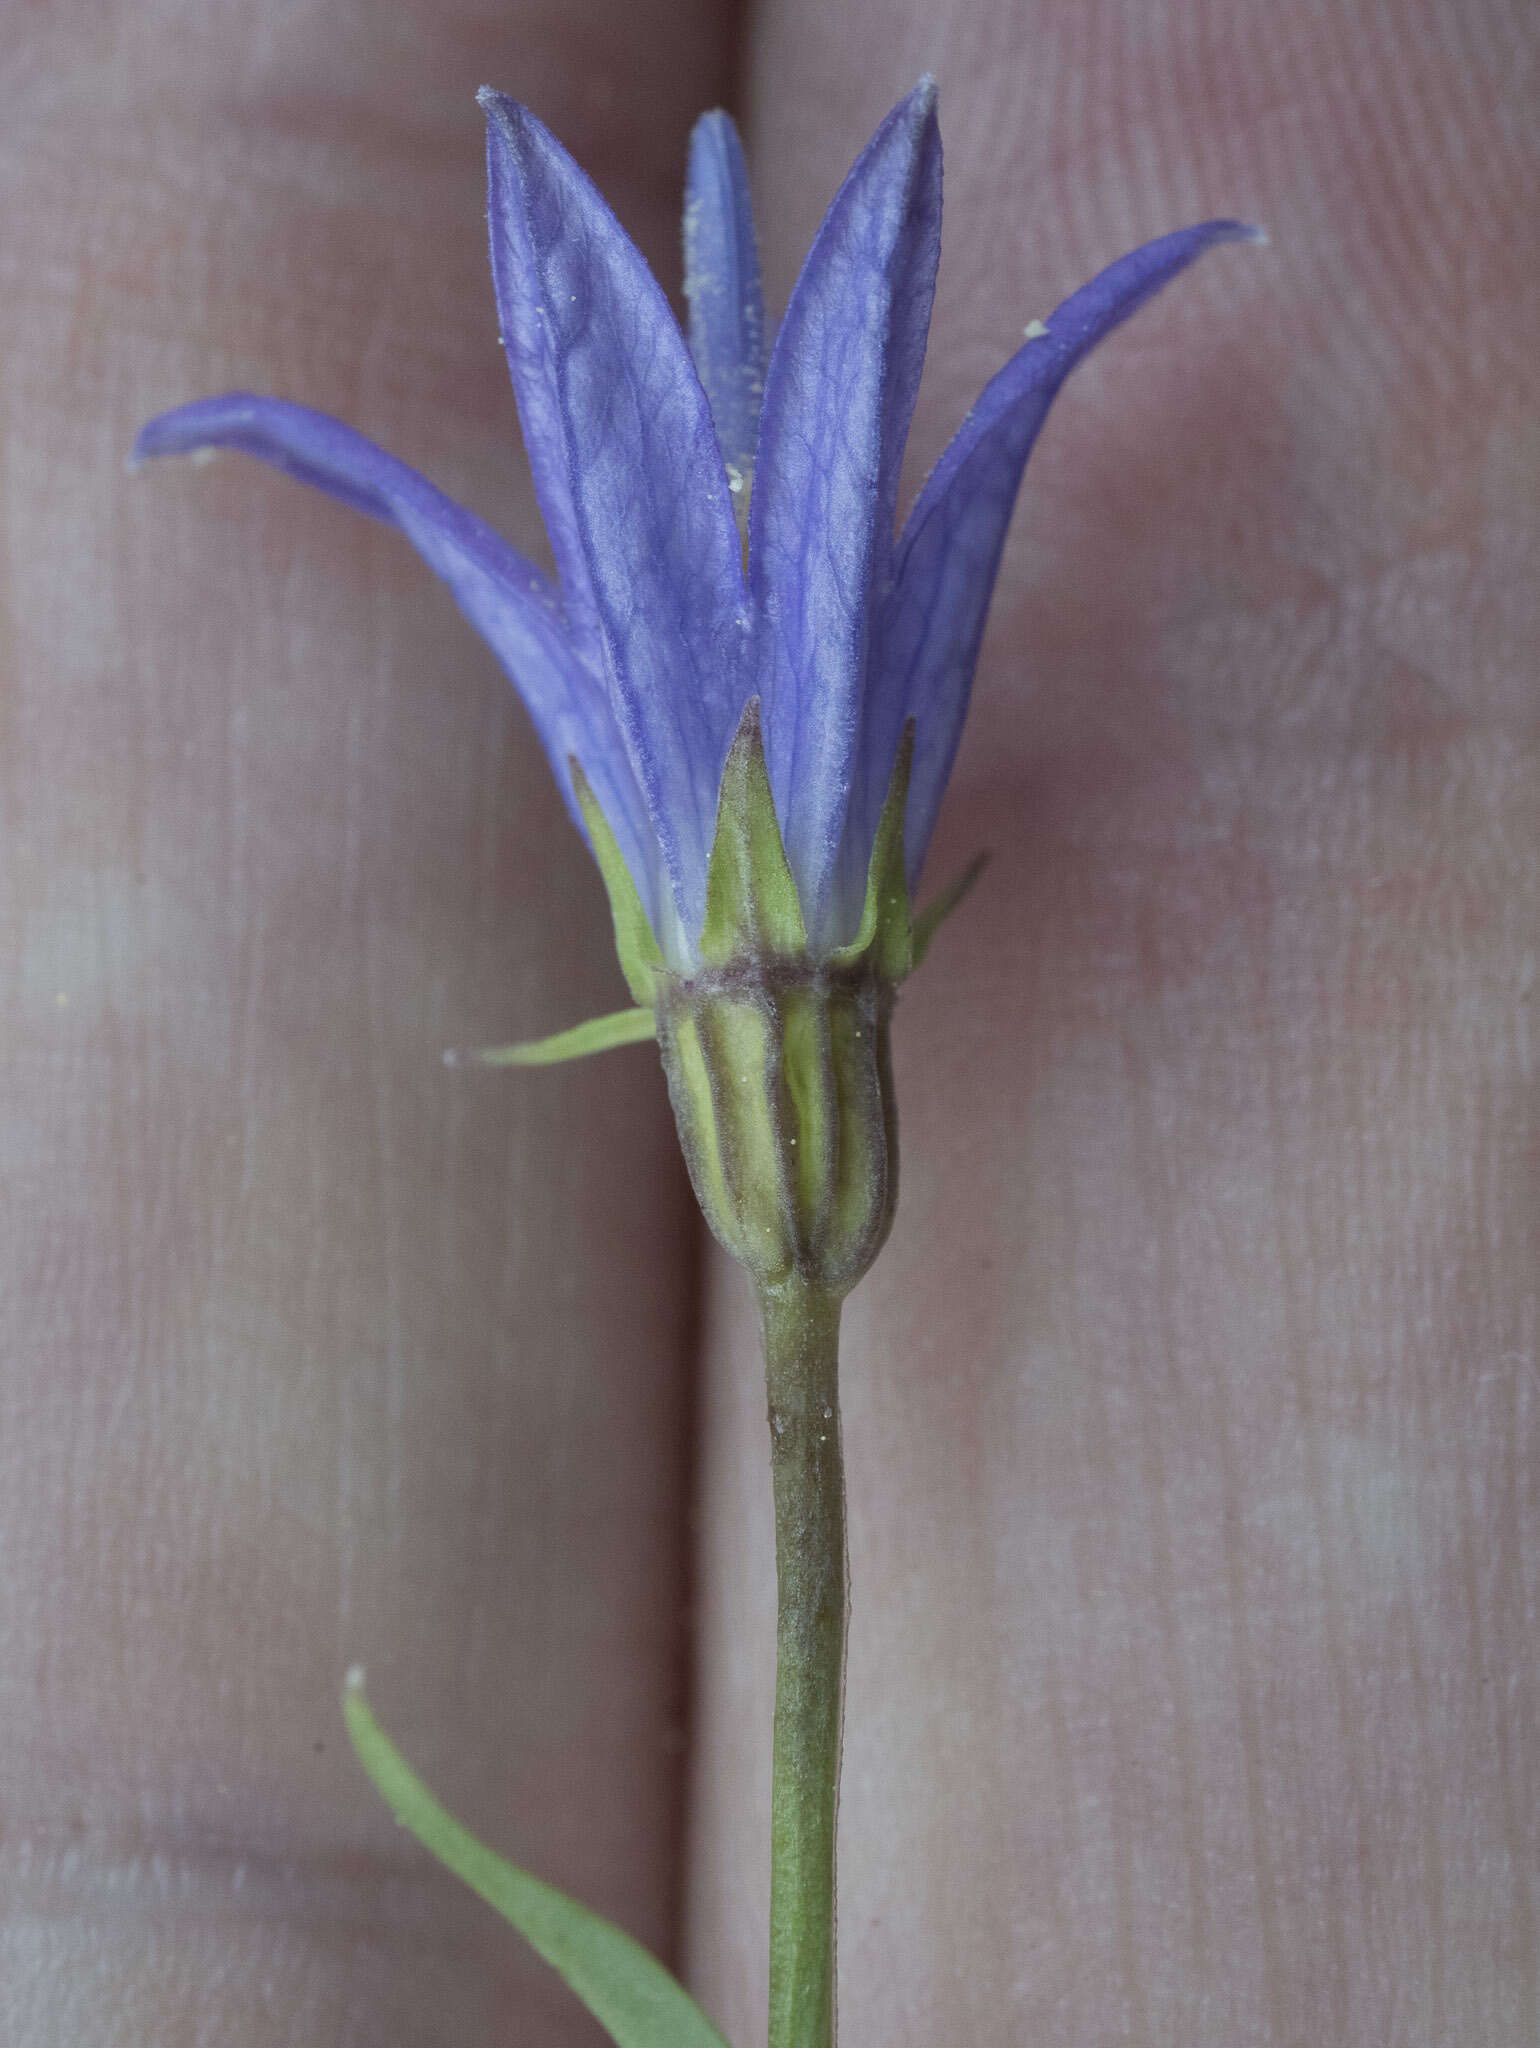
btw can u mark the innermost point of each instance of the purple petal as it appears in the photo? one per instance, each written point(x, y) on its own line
point(721, 284)
point(507, 600)
point(838, 397)
point(631, 479)
point(944, 572)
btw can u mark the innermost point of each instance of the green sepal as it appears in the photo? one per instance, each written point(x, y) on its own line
point(930, 920)
point(599, 1034)
point(812, 1102)
point(886, 932)
point(740, 1049)
point(629, 1992)
point(752, 906)
point(695, 1113)
point(636, 943)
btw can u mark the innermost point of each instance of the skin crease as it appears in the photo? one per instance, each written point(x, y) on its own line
point(1192, 1414)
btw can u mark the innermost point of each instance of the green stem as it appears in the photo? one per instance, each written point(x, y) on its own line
point(801, 1331)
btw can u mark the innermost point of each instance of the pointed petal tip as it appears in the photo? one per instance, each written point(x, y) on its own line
point(198, 429)
point(713, 121)
point(1209, 232)
point(509, 121)
point(916, 111)
point(157, 437)
point(182, 431)
point(145, 448)
point(522, 143)
point(152, 445)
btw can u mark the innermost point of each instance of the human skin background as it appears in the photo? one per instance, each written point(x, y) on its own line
point(313, 1351)
point(1192, 1414)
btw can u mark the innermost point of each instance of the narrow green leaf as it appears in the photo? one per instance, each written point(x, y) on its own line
point(752, 906)
point(636, 943)
point(599, 1034)
point(940, 908)
point(629, 1992)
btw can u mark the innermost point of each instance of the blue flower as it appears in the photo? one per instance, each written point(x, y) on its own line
point(721, 507)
